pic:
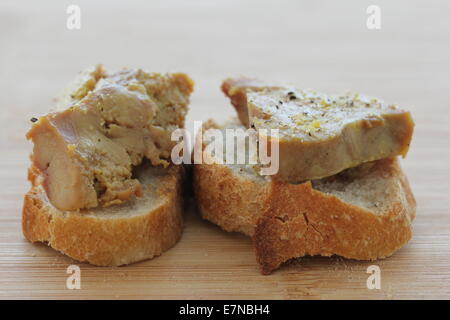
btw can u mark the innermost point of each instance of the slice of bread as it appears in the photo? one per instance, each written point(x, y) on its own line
point(363, 213)
point(320, 135)
point(139, 229)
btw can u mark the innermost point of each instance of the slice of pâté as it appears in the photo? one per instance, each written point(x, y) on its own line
point(320, 135)
point(111, 122)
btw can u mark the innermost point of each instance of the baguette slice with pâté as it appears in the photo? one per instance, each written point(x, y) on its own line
point(141, 228)
point(362, 213)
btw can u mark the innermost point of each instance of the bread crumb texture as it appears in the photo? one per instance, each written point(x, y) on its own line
point(137, 230)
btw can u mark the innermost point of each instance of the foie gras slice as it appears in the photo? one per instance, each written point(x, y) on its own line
point(320, 135)
point(87, 152)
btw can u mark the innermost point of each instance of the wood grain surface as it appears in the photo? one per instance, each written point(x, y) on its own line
point(316, 44)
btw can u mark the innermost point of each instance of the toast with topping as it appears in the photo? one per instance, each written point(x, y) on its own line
point(362, 213)
point(139, 229)
point(320, 135)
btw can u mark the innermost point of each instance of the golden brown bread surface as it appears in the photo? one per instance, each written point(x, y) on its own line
point(320, 135)
point(110, 122)
point(122, 234)
point(362, 213)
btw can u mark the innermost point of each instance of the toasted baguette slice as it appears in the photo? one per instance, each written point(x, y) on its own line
point(320, 135)
point(363, 213)
point(140, 229)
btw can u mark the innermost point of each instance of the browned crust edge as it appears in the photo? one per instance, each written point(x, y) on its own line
point(107, 242)
point(224, 199)
point(304, 221)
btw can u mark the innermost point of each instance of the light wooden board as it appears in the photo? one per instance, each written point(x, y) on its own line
point(316, 44)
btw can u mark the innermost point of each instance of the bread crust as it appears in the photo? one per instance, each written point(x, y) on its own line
point(108, 241)
point(231, 202)
point(303, 221)
point(288, 221)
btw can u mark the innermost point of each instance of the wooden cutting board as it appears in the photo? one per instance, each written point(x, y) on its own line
point(326, 46)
